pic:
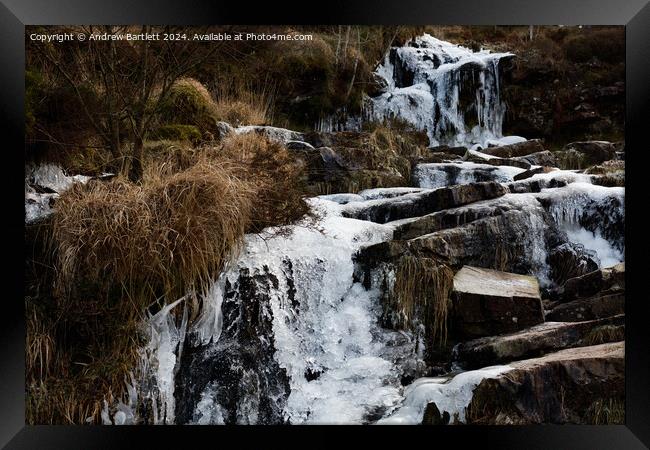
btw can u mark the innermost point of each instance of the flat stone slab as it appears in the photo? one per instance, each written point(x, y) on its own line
point(533, 342)
point(488, 302)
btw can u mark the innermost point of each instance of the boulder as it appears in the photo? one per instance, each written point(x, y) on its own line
point(421, 203)
point(544, 158)
point(584, 385)
point(594, 152)
point(515, 150)
point(571, 260)
point(532, 342)
point(605, 281)
point(488, 302)
point(596, 307)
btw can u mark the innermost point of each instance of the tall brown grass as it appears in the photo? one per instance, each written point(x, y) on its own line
point(423, 287)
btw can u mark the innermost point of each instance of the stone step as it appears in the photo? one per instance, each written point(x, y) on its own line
point(538, 340)
point(488, 302)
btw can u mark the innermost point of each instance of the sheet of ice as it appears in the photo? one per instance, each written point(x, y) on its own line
point(436, 175)
point(506, 140)
point(373, 194)
point(451, 396)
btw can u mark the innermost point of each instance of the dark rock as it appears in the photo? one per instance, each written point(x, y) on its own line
point(596, 307)
point(563, 387)
point(544, 158)
point(571, 260)
point(594, 152)
point(529, 173)
point(488, 302)
point(528, 343)
point(515, 150)
point(298, 145)
point(239, 367)
point(603, 281)
point(458, 151)
point(432, 416)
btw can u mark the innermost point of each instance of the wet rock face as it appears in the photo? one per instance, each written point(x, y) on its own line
point(238, 377)
point(571, 260)
point(563, 387)
point(488, 302)
point(531, 342)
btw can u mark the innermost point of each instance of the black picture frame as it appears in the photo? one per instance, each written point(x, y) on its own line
point(634, 14)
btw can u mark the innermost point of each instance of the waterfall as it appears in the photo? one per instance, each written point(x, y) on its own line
point(287, 335)
point(447, 90)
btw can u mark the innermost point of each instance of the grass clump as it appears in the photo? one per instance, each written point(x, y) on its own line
point(423, 286)
point(604, 334)
point(606, 412)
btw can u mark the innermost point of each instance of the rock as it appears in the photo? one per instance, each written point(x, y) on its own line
point(222, 130)
point(421, 203)
point(488, 302)
point(436, 175)
point(377, 85)
point(299, 145)
point(529, 343)
point(571, 260)
point(529, 173)
point(513, 241)
point(596, 307)
point(432, 416)
point(594, 152)
point(457, 151)
point(481, 158)
point(281, 135)
point(569, 386)
point(515, 150)
point(544, 158)
point(604, 281)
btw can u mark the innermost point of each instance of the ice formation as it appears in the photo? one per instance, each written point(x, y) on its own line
point(437, 175)
point(450, 395)
point(333, 330)
point(450, 91)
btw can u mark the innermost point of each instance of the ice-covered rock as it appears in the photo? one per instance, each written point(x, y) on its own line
point(437, 175)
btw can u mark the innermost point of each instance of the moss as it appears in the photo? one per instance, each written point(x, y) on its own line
point(178, 132)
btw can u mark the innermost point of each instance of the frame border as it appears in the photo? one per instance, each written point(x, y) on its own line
point(635, 14)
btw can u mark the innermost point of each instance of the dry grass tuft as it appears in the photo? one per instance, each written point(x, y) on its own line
point(606, 412)
point(424, 285)
point(171, 231)
point(604, 334)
